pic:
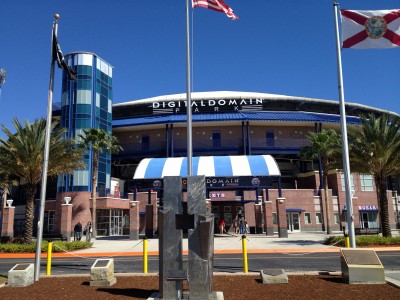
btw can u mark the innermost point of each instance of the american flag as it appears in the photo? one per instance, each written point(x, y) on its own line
point(217, 5)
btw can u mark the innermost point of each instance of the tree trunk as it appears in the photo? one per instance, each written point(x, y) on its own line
point(95, 168)
point(383, 207)
point(29, 214)
point(327, 210)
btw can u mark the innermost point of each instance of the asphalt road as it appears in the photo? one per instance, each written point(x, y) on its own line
point(290, 262)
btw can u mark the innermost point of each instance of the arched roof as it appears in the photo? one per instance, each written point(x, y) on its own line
point(150, 109)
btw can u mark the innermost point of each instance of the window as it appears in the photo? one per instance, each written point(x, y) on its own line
point(214, 209)
point(367, 182)
point(227, 209)
point(270, 138)
point(48, 225)
point(336, 218)
point(318, 218)
point(351, 182)
point(274, 218)
point(145, 143)
point(216, 139)
point(307, 218)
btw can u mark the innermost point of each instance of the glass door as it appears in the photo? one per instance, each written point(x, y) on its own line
point(116, 219)
point(293, 221)
point(364, 220)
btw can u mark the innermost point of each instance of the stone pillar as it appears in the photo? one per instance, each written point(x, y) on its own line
point(281, 214)
point(200, 240)
point(66, 221)
point(268, 224)
point(7, 228)
point(134, 220)
point(149, 220)
point(170, 238)
point(258, 218)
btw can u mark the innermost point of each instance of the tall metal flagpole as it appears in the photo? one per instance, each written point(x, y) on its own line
point(346, 162)
point(45, 157)
point(188, 96)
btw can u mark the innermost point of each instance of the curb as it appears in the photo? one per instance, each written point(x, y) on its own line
point(185, 252)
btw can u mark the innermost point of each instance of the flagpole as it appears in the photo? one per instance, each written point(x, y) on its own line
point(346, 162)
point(45, 158)
point(188, 96)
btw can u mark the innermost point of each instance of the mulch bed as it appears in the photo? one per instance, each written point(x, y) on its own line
point(238, 287)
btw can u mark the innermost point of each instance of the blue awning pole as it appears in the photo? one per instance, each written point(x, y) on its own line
point(243, 139)
point(167, 139)
point(256, 195)
point(279, 187)
point(248, 137)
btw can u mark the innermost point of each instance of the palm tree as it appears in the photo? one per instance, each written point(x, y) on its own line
point(326, 146)
point(375, 149)
point(97, 140)
point(22, 155)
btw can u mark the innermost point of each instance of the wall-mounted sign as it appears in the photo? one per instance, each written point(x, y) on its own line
point(363, 207)
point(216, 195)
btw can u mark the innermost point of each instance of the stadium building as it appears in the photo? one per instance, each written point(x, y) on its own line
point(246, 144)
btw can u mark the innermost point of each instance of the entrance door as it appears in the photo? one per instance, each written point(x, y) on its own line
point(293, 221)
point(364, 220)
point(116, 222)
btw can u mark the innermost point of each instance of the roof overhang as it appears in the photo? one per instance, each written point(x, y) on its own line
point(209, 166)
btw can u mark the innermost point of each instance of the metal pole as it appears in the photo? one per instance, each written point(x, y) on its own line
point(188, 96)
point(346, 162)
point(45, 160)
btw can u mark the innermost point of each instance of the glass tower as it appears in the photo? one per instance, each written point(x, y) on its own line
point(87, 103)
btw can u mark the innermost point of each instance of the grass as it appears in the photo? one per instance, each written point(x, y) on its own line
point(365, 240)
point(58, 246)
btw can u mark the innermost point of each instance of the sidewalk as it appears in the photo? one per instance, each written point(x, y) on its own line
point(223, 244)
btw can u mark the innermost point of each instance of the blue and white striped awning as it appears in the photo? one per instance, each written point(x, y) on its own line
point(210, 166)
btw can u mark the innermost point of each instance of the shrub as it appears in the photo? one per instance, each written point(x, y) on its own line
point(58, 246)
point(364, 240)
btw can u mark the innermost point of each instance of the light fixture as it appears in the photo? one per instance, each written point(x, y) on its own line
point(67, 200)
point(10, 202)
point(133, 203)
point(281, 200)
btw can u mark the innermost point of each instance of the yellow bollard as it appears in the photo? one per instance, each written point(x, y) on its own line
point(346, 241)
point(49, 251)
point(145, 247)
point(244, 250)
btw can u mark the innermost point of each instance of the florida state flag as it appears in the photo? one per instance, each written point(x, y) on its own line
point(364, 29)
point(217, 5)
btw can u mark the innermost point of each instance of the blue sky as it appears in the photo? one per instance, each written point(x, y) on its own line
point(278, 47)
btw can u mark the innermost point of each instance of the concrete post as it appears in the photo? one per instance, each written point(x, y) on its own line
point(134, 220)
point(268, 224)
point(149, 220)
point(281, 214)
point(66, 221)
point(258, 218)
point(7, 228)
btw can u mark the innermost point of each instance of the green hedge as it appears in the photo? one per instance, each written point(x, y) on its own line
point(58, 246)
point(365, 240)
